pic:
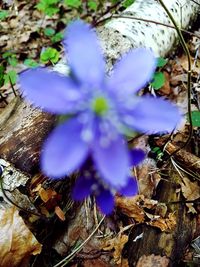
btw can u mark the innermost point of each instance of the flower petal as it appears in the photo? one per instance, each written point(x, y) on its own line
point(82, 188)
point(105, 201)
point(133, 71)
point(85, 56)
point(112, 160)
point(137, 156)
point(64, 150)
point(153, 115)
point(48, 90)
point(130, 189)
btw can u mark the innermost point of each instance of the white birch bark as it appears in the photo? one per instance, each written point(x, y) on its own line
point(119, 35)
point(159, 38)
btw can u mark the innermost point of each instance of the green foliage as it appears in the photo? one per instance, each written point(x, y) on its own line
point(195, 118)
point(159, 77)
point(127, 3)
point(48, 7)
point(73, 3)
point(2, 70)
point(10, 76)
point(3, 14)
point(158, 80)
point(157, 152)
point(31, 63)
point(93, 5)
point(49, 32)
point(161, 62)
point(57, 37)
point(10, 58)
point(49, 55)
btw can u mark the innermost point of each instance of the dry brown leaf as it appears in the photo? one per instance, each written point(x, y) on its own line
point(165, 224)
point(95, 263)
point(195, 64)
point(47, 194)
point(147, 177)
point(190, 189)
point(117, 243)
point(129, 207)
point(153, 261)
point(17, 243)
point(59, 213)
point(166, 88)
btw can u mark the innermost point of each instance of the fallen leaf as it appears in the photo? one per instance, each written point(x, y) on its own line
point(17, 243)
point(96, 263)
point(166, 88)
point(117, 243)
point(59, 213)
point(153, 261)
point(190, 189)
point(165, 224)
point(129, 207)
point(47, 194)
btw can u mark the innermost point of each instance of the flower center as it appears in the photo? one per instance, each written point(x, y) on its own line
point(100, 105)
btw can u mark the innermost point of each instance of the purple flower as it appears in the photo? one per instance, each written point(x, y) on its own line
point(102, 109)
point(90, 183)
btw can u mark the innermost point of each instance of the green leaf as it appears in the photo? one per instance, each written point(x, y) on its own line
point(3, 14)
point(49, 55)
point(12, 61)
point(92, 5)
point(31, 63)
point(73, 3)
point(2, 69)
point(49, 32)
point(7, 54)
point(10, 76)
point(161, 62)
point(158, 80)
point(195, 118)
point(48, 7)
point(57, 37)
point(127, 3)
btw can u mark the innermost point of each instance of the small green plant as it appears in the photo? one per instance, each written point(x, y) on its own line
point(93, 5)
point(2, 70)
point(48, 7)
point(57, 37)
point(7, 77)
point(195, 118)
point(10, 58)
point(49, 55)
point(10, 77)
point(3, 14)
point(51, 33)
point(73, 3)
point(31, 63)
point(158, 77)
point(127, 3)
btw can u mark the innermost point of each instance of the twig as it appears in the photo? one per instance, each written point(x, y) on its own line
point(96, 22)
point(195, 2)
point(155, 22)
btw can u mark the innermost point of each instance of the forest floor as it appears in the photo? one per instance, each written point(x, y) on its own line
point(31, 35)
